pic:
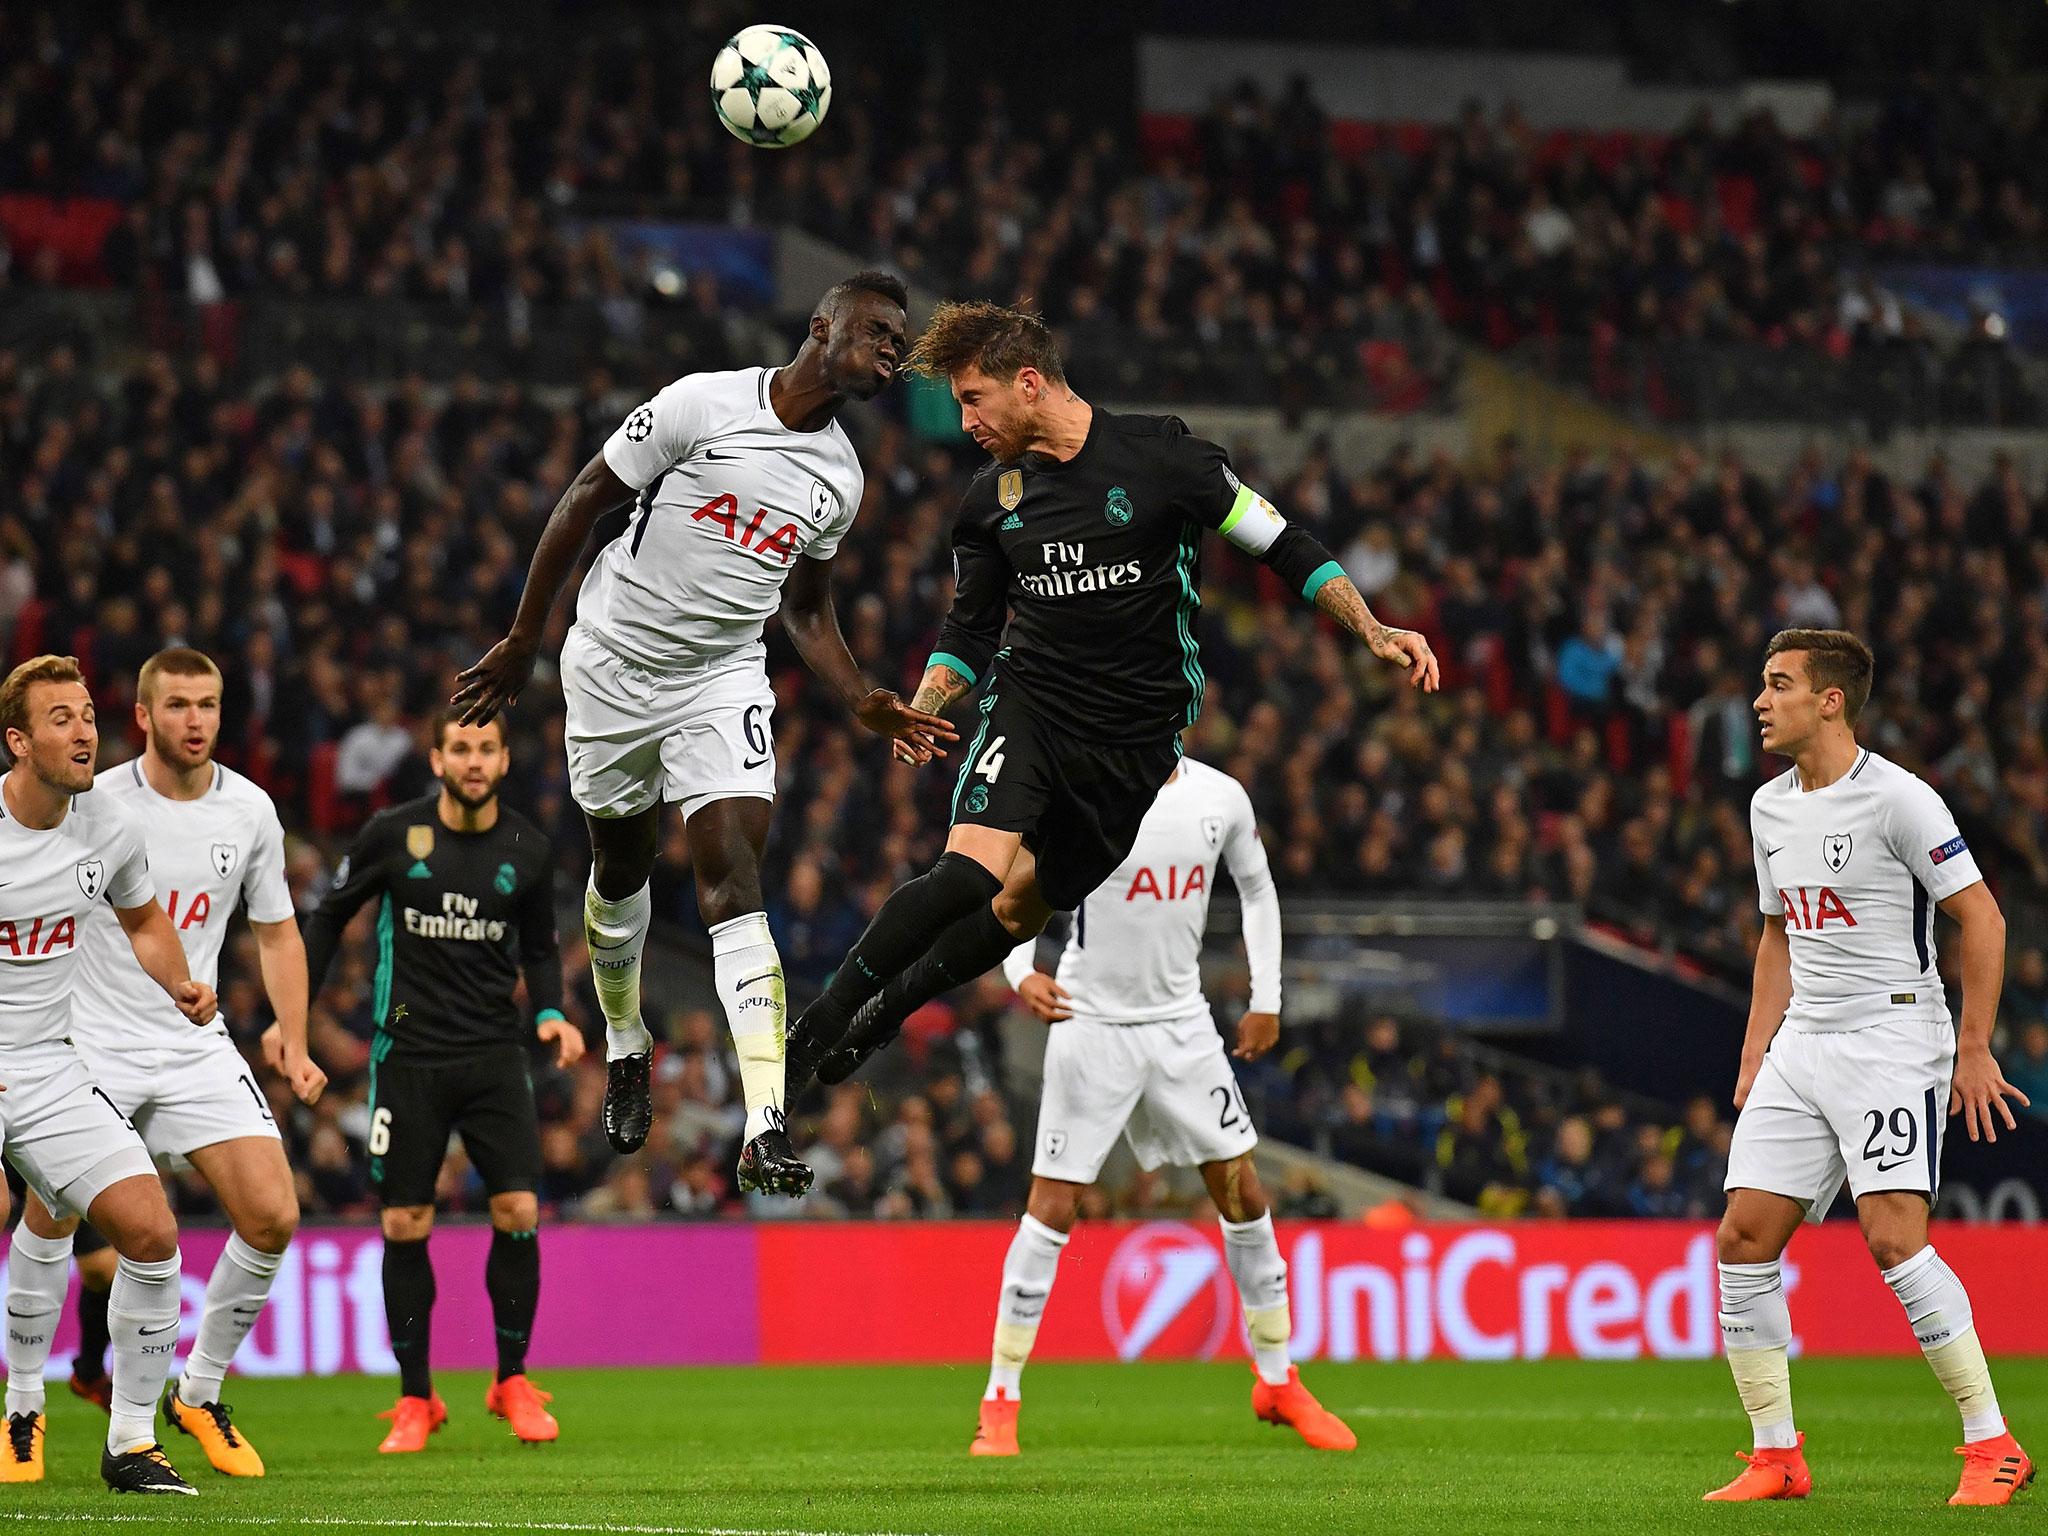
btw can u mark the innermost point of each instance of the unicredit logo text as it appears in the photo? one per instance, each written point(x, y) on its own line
point(1471, 1294)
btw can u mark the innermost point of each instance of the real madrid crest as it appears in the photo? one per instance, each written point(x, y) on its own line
point(1010, 488)
point(419, 841)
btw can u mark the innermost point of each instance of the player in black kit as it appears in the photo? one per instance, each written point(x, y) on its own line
point(465, 888)
point(1086, 532)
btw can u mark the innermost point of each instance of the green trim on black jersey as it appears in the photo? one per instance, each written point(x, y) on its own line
point(1319, 578)
point(1190, 603)
point(380, 996)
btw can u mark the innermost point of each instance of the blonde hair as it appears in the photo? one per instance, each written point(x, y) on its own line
point(14, 692)
point(178, 661)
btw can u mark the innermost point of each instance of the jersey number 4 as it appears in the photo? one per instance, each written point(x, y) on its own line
point(991, 762)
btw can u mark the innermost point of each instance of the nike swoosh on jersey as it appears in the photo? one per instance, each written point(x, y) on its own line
point(720, 458)
point(749, 767)
point(1772, 853)
point(1888, 1167)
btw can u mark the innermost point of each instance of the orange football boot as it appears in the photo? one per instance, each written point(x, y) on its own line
point(214, 1427)
point(99, 1391)
point(997, 1433)
point(519, 1403)
point(1294, 1405)
point(412, 1420)
point(21, 1448)
point(1771, 1474)
point(1993, 1471)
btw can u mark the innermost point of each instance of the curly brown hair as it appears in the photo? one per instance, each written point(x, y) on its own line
point(976, 334)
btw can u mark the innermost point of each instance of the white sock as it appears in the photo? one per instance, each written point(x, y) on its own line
point(234, 1296)
point(1939, 1309)
point(142, 1317)
point(616, 932)
point(38, 1277)
point(1253, 1254)
point(748, 973)
point(1756, 1329)
point(1029, 1269)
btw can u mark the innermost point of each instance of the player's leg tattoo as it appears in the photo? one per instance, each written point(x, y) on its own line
point(616, 909)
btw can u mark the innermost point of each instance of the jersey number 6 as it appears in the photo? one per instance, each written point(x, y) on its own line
point(380, 1132)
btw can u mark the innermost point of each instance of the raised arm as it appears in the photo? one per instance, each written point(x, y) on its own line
point(497, 680)
point(812, 624)
point(1219, 500)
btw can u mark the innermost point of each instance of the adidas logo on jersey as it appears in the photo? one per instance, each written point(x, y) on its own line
point(1012, 522)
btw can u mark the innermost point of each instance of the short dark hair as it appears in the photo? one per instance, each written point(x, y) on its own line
point(448, 715)
point(1834, 659)
point(884, 284)
point(14, 691)
point(999, 341)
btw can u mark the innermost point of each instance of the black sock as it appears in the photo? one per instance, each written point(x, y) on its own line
point(408, 1309)
point(90, 1364)
point(512, 1276)
point(911, 921)
point(972, 947)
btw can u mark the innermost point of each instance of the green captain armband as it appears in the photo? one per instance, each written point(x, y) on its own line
point(948, 659)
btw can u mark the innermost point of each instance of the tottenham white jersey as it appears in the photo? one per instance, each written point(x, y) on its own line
point(51, 883)
point(1134, 954)
point(206, 855)
point(729, 498)
point(1856, 869)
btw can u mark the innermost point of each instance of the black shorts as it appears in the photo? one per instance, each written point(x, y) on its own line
point(486, 1098)
point(1079, 806)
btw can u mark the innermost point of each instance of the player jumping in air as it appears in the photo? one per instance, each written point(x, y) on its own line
point(1133, 1050)
point(65, 850)
point(465, 891)
point(214, 842)
point(1086, 533)
point(1851, 1065)
point(743, 485)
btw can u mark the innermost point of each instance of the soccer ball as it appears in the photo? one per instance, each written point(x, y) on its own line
point(770, 86)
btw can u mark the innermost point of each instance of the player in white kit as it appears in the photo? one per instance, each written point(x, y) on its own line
point(1851, 1065)
point(64, 851)
point(1134, 1052)
point(214, 842)
point(743, 485)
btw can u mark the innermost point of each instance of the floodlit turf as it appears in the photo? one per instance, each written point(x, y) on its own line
point(1144, 1448)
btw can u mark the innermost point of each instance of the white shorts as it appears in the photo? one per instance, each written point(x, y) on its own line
point(638, 738)
point(1167, 1088)
point(184, 1097)
point(1866, 1104)
point(63, 1134)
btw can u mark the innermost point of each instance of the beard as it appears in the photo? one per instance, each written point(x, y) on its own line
point(63, 775)
point(468, 799)
point(171, 749)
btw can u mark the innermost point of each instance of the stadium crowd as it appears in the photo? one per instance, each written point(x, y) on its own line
point(344, 547)
point(344, 551)
point(340, 161)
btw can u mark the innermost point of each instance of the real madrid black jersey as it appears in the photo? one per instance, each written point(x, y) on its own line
point(1097, 562)
point(460, 916)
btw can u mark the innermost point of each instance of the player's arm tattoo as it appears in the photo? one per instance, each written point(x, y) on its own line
point(941, 686)
point(1344, 603)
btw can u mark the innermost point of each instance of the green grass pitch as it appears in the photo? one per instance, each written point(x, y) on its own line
point(1142, 1448)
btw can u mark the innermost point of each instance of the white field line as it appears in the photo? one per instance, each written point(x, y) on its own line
point(176, 1507)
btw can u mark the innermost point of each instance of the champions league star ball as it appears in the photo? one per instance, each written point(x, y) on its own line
point(771, 87)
